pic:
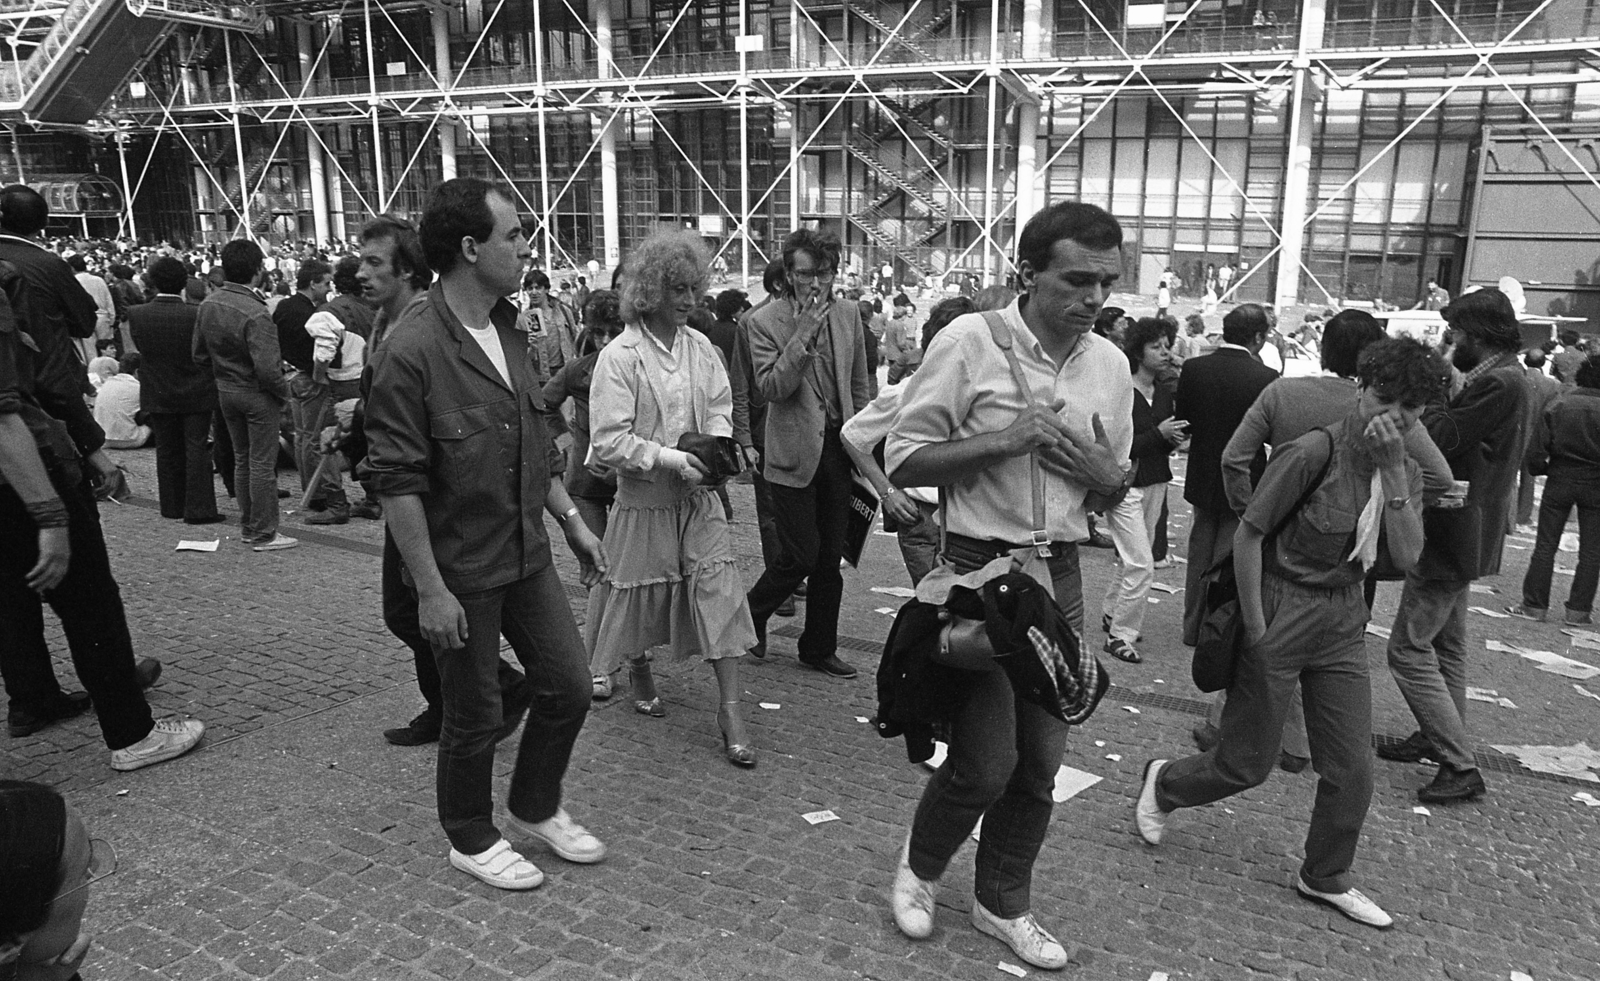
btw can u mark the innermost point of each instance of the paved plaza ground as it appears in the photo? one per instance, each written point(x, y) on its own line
point(295, 843)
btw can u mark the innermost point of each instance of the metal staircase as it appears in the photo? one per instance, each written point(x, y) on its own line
point(93, 46)
point(884, 18)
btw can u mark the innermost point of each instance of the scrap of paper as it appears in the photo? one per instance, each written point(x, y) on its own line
point(1479, 587)
point(1100, 742)
point(1547, 660)
point(1496, 614)
point(899, 591)
point(1577, 760)
point(1562, 572)
point(1521, 976)
point(1569, 541)
point(1162, 587)
point(185, 546)
point(1586, 693)
point(1378, 631)
point(1158, 976)
point(770, 706)
point(1491, 696)
point(862, 718)
point(1130, 710)
point(1070, 783)
point(1012, 969)
point(1585, 797)
point(1151, 599)
point(887, 611)
point(1422, 810)
point(1114, 757)
point(820, 817)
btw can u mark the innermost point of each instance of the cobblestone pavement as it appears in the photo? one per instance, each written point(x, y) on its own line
point(295, 843)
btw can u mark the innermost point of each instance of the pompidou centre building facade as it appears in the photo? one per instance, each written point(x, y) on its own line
point(1328, 151)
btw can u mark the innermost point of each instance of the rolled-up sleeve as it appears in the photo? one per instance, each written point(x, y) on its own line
point(326, 332)
point(867, 428)
point(937, 398)
point(398, 444)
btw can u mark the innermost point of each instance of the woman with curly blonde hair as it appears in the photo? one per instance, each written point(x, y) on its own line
point(673, 578)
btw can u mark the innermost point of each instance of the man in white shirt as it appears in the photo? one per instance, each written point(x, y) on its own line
point(116, 407)
point(966, 425)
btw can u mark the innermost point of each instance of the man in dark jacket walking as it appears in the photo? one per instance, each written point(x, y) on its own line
point(1482, 432)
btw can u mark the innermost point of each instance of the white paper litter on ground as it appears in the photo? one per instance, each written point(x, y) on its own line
point(1520, 548)
point(1100, 742)
point(1070, 783)
point(1378, 631)
point(1584, 638)
point(1481, 588)
point(1012, 969)
point(1521, 976)
point(770, 706)
point(186, 546)
point(1547, 660)
point(1130, 710)
point(1586, 693)
point(899, 591)
point(862, 718)
point(1496, 614)
point(1162, 587)
point(1577, 760)
point(1491, 696)
point(1158, 976)
point(1569, 541)
point(1422, 810)
point(1151, 599)
point(820, 817)
point(1563, 572)
point(1587, 798)
point(887, 611)
point(1114, 757)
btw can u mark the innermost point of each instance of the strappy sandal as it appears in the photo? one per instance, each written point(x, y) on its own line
point(637, 673)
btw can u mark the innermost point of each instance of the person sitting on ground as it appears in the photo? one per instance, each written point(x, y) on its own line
point(1304, 618)
point(116, 404)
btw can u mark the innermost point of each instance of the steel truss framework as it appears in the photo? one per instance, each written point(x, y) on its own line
point(448, 99)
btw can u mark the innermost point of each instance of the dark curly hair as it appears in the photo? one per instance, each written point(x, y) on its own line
point(1401, 370)
point(1141, 334)
point(942, 313)
point(1089, 225)
point(824, 247)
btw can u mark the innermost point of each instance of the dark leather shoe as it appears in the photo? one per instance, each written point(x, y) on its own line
point(367, 509)
point(785, 609)
point(1100, 539)
point(1451, 785)
point(514, 702)
point(832, 665)
point(1290, 763)
point(1413, 749)
point(331, 516)
point(800, 590)
point(1205, 736)
point(23, 722)
point(148, 670)
point(419, 731)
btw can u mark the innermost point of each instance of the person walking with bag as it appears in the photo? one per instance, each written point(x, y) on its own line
point(674, 579)
point(1018, 422)
point(1304, 620)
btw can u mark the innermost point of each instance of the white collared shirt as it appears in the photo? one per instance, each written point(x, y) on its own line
point(670, 375)
point(965, 388)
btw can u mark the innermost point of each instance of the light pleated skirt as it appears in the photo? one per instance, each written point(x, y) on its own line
point(672, 578)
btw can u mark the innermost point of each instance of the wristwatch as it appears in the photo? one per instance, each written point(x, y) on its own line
point(567, 515)
point(1399, 503)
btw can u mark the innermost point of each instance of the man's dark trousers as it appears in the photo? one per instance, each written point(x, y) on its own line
point(89, 606)
point(183, 465)
point(810, 524)
point(400, 616)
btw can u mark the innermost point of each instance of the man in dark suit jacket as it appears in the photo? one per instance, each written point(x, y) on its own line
point(176, 396)
point(1542, 390)
point(1214, 392)
point(1483, 432)
point(810, 365)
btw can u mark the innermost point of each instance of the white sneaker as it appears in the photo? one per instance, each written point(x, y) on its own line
point(1150, 819)
point(170, 738)
point(276, 543)
point(1351, 903)
point(563, 836)
point(501, 866)
point(912, 899)
point(1026, 938)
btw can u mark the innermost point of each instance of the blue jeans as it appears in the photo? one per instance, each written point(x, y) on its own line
point(534, 616)
point(1561, 495)
point(1002, 762)
point(252, 419)
point(1428, 658)
point(919, 543)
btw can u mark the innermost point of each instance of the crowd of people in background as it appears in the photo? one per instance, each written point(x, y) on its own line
point(465, 397)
